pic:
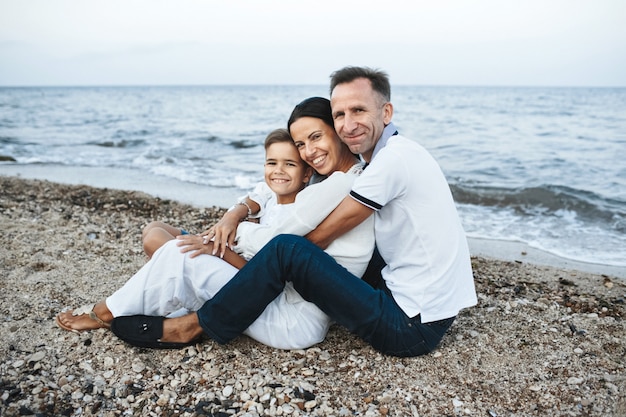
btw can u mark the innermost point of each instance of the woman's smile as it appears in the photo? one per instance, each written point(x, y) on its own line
point(318, 161)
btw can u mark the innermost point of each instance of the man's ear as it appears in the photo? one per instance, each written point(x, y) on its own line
point(387, 112)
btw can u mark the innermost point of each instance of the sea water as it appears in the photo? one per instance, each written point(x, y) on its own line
point(542, 166)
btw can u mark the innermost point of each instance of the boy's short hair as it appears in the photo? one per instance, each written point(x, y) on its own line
point(278, 136)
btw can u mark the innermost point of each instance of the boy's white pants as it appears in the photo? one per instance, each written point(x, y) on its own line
point(172, 283)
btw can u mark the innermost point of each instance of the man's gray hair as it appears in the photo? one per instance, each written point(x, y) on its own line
point(379, 79)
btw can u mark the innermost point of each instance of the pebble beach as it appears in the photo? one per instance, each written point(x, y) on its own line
point(542, 341)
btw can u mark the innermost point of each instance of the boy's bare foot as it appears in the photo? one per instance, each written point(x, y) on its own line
point(84, 318)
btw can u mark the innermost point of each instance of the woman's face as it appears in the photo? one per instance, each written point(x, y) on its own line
point(319, 146)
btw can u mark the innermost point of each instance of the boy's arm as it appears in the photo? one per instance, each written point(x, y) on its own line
point(195, 244)
point(235, 260)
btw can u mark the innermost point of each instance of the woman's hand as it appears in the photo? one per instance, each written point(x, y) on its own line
point(196, 243)
point(224, 232)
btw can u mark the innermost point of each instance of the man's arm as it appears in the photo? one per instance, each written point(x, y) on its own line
point(347, 215)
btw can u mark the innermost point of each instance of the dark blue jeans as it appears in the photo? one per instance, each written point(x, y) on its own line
point(370, 313)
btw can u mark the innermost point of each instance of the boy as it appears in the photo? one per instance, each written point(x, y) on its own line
point(285, 175)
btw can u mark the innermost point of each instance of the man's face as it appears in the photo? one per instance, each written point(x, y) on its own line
point(360, 115)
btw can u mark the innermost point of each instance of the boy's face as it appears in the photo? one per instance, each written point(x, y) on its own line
point(285, 173)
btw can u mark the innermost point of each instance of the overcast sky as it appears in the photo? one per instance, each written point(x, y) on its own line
point(433, 42)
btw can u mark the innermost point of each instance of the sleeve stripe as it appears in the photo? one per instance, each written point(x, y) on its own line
point(368, 203)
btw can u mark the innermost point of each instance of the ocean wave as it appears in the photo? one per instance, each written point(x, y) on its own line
point(10, 140)
point(243, 144)
point(547, 200)
point(120, 144)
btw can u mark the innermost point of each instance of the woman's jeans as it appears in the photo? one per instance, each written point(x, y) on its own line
point(370, 313)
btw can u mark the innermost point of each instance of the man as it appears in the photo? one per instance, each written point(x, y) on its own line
point(427, 278)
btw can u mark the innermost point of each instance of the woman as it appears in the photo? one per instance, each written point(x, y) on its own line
point(172, 280)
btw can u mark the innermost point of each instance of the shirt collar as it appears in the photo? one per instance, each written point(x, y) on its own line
point(389, 131)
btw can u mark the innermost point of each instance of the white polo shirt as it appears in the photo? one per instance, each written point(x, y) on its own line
point(418, 230)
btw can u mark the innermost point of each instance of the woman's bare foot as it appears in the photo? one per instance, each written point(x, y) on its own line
point(182, 329)
point(88, 317)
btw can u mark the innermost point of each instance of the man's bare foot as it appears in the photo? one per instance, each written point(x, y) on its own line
point(182, 329)
point(88, 317)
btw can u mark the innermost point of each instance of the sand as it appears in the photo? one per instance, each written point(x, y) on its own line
point(541, 341)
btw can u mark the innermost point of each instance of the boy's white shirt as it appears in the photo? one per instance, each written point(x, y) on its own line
point(262, 194)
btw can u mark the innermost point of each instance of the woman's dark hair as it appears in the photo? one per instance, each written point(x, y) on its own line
point(379, 79)
point(317, 107)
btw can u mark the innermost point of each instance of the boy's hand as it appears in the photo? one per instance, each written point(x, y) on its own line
point(196, 243)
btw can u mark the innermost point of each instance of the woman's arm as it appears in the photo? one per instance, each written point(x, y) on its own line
point(312, 205)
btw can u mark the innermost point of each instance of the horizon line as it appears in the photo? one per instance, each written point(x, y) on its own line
point(300, 85)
